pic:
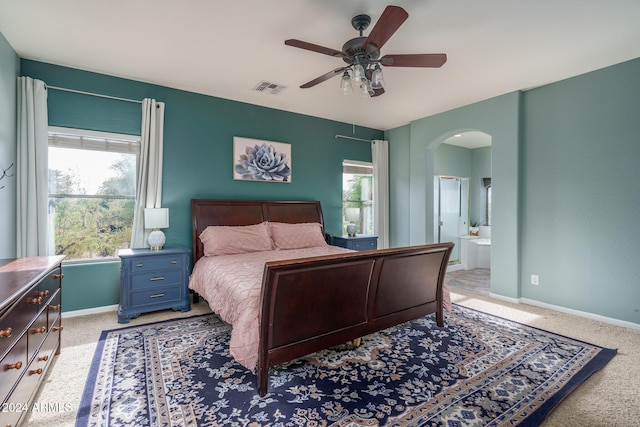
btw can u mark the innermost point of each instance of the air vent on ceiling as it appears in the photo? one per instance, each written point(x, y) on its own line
point(270, 88)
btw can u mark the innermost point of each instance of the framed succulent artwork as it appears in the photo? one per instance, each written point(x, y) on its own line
point(257, 160)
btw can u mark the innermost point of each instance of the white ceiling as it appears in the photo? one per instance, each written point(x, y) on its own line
point(226, 48)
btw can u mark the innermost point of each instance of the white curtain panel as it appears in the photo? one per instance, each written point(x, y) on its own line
point(380, 158)
point(149, 179)
point(32, 191)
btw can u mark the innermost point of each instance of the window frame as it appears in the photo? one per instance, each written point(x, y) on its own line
point(76, 138)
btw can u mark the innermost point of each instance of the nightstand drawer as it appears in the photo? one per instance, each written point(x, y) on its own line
point(363, 244)
point(156, 296)
point(156, 278)
point(155, 263)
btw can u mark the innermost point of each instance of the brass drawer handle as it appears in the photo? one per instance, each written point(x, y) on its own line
point(34, 300)
point(58, 276)
point(6, 333)
point(40, 330)
point(42, 293)
point(55, 307)
point(43, 358)
point(153, 279)
point(35, 371)
point(156, 296)
point(57, 328)
point(16, 365)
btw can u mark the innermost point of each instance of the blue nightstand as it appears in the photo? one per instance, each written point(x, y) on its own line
point(361, 242)
point(153, 280)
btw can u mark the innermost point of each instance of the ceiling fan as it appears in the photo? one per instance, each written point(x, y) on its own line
point(362, 54)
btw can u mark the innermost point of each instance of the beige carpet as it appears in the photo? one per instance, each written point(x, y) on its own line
point(611, 397)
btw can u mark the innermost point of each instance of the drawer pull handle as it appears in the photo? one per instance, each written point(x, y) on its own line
point(58, 276)
point(156, 296)
point(34, 300)
point(153, 279)
point(55, 307)
point(6, 333)
point(173, 261)
point(16, 365)
point(35, 371)
point(40, 330)
point(42, 293)
point(43, 358)
point(57, 328)
point(140, 265)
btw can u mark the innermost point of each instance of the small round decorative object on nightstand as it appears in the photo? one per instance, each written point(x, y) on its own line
point(156, 239)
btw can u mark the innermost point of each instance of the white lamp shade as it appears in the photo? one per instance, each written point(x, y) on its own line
point(156, 218)
point(352, 214)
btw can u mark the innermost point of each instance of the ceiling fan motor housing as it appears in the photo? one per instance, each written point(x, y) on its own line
point(353, 48)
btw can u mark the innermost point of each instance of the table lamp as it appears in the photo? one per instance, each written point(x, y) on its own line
point(156, 218)
point(352, 215)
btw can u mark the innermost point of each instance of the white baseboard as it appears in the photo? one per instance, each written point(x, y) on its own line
point(95, 310)
point(592, 316)
point(507, 299)
point(585, 314)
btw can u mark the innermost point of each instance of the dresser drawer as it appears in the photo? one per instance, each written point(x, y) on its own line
point(156, 296)
point(13, 365)
point(17, 318)
point(154, 263)
point(155, 279)
point(49, 285)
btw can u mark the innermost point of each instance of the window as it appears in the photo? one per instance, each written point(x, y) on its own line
point(92, 184)
point(357, 196)
point(486, 201)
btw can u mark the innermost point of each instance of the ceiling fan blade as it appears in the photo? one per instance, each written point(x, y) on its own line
point(315, 48)
point(323, 77)
point(429, 60)
point(390, 20)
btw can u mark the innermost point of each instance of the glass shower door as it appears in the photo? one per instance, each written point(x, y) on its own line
point(449, 215)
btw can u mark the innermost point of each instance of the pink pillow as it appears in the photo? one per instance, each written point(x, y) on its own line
point(296, 236)
point(228, 240)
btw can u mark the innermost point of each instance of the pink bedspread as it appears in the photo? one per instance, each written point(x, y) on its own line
point(231, 285)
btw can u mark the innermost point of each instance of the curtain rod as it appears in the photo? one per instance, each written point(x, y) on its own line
point(352, 137)
point(93, 94)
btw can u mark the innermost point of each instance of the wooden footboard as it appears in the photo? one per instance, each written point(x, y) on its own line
point(314, 303)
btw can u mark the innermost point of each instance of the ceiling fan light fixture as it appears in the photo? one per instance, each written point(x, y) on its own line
point(377, 79)
point(365, 88)
point(358, 74)
point(346, 87)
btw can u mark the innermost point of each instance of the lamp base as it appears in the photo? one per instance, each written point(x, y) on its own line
point(156, 240)
point(351, 230)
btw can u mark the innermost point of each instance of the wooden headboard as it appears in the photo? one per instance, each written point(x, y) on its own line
point(206, 212)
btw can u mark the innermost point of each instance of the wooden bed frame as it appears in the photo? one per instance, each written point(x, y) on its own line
point(311, 304)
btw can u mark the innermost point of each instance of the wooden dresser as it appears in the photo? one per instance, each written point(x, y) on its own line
point(30, 328)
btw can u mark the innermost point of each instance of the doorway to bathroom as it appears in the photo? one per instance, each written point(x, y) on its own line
point(451, 203)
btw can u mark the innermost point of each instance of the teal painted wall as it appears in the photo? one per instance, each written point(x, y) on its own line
point(498, 117)
point(399, 178)
point(198, 152)
point(9, 71)
point(452, 160)
point(480, 168)
point(564, 168)
point(580, 197)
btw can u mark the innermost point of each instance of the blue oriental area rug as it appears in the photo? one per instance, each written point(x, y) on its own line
point(477, 370)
